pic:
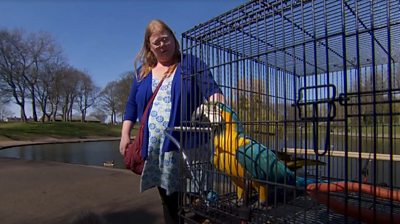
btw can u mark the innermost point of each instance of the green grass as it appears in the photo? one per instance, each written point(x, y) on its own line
point(32, 131)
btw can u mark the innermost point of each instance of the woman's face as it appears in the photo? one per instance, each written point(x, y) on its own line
point(162, 44)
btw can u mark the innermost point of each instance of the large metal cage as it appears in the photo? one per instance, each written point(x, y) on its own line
point(318, 83)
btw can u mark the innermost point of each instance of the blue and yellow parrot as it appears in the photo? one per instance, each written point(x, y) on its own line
point(237, 155)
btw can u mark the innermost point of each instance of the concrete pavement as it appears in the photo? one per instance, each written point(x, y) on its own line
point(51, 192)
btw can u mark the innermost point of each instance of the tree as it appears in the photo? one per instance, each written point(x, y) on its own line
point(115, 95)
point(87, 94)
point(24, 64)
point(40, 51)
point(5, 96)
point(4, 111)
point(68, 83)
point(372, 92)
point(109, 100)
point(123, 89)
point(99, 114)
point(47, 88)
point(256, 109)
point(13, 66)
point(396, 85)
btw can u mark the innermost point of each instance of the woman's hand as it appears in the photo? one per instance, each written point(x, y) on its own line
point(217, 97)
point(125, 136)
point(123, 144)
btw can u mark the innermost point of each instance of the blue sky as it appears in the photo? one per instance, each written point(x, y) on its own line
point(102, 37)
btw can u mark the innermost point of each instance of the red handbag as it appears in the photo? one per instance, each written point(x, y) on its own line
point(132, 156)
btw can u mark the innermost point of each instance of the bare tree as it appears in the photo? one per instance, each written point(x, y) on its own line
point(13, 66)
point(5, 95)
point(23, 64)
point(41, 50)
point(68, 91)
point(47, 91)
point(115, 94)
point(123, 88)
point(109, 100)
point(99, 114)
point(87, 94)
point(4, 110)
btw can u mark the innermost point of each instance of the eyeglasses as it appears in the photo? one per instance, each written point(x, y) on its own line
point(166, 40)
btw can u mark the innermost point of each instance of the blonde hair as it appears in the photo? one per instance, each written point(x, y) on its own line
point(147, 58)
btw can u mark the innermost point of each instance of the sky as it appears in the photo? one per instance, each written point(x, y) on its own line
point(102, 37)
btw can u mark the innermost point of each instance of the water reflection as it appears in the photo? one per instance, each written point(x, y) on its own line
point(86, 153)
point(379, 172)
point(96, 153)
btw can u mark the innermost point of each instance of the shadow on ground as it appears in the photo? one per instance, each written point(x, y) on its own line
point(137, 216)
point(120, 217)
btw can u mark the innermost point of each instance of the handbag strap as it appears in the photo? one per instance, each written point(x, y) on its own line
point(144, 116)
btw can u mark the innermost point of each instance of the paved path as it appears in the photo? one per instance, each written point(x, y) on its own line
point(52, 192)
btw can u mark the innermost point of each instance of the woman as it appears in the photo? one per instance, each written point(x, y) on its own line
point(160, 57)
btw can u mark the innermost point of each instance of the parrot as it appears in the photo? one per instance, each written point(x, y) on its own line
point(238, 155)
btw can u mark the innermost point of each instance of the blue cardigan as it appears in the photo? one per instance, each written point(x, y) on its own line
point(192, 84)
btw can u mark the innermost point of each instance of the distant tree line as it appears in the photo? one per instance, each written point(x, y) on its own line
point(265, 106)
point(35, 75)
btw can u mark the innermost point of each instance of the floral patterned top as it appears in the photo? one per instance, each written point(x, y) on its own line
point(160, 168)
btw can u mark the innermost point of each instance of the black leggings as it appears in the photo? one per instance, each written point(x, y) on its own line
point(170, 206)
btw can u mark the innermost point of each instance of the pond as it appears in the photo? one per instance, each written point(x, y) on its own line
point(86, 153)
point(96, 153)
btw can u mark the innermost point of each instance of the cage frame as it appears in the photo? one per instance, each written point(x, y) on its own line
point(307, 43)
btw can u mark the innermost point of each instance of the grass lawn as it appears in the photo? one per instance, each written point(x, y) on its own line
point(63, 130)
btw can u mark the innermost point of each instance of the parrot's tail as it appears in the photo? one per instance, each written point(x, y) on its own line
point(301, 181)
